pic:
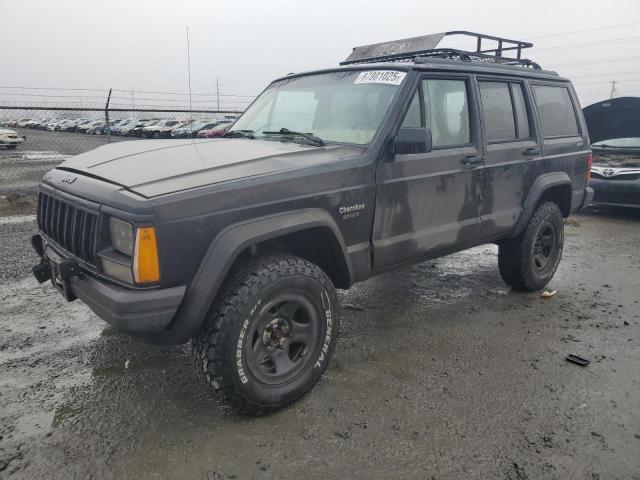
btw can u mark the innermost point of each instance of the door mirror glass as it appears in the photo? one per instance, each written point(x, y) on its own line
point(412, 140)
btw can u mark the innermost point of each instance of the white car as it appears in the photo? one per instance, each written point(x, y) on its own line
point(10, 138)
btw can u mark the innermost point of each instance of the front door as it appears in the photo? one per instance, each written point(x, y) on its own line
point(430, 202)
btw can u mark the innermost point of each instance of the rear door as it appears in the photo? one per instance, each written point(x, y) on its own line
point(430, 202)
point(511, 148)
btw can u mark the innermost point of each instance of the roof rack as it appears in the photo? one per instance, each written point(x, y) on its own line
point(416, 48)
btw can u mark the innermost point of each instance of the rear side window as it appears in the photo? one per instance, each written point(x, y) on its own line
point(447, 111)
point(557, 116)
point(504, 110)
point(497, 109)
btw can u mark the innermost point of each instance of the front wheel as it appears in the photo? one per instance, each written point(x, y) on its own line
point(529, 261)
point(270, 335)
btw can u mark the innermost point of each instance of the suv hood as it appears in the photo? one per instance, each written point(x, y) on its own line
point(158, 167)
point(615, 118)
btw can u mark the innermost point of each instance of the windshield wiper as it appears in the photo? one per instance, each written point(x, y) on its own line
point(239, 133)
point(309, 136)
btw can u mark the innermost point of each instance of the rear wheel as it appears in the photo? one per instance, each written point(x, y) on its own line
point(529, 261)
point(270, 335)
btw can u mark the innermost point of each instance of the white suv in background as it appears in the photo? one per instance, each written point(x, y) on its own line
point(10, 138)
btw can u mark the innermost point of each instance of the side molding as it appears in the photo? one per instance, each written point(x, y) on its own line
point(224, 251)
point(542, 183)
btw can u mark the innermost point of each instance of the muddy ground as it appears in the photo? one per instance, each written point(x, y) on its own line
point(441, 372)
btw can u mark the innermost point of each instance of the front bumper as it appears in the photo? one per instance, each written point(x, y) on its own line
point(622, 193)
point(143, 312)
point(139, 312)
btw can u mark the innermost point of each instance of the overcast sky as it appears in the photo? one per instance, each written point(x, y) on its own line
point(141, 44)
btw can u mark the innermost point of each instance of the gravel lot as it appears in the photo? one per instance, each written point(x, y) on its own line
point(440, 372)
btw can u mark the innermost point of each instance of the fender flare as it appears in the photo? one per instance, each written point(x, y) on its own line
point(223, 252)
point(541, 185)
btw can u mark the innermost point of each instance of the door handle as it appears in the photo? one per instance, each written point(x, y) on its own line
point(472, 160)
point(531, 151)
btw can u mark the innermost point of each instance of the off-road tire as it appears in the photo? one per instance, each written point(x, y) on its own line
point(223, 346)
point(515, 256)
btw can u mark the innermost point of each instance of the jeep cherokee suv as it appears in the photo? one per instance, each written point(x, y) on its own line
point(402, 153)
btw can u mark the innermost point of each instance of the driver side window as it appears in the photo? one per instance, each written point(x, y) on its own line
point(446, 112)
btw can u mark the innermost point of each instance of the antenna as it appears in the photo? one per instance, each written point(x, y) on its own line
point(613, 88)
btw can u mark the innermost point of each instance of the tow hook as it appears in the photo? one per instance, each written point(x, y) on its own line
point(42, 272)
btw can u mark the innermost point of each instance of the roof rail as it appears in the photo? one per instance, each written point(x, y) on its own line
point(412, 49)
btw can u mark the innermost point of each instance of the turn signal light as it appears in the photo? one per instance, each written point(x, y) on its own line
point(587, 175)
point(146, 268)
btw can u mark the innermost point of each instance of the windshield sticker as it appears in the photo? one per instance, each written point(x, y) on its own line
point(381, 76)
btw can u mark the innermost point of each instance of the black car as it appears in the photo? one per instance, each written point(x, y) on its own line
point(403, 153)
point(137, 131)
point(614, 128)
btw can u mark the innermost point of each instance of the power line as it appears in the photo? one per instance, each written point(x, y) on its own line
point(622, 25)
point(594, 62)
point(587, 44)
point(64, 89)
point(606, 81)
point(608, 74)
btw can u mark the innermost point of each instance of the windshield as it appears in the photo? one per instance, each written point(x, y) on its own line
point(629, 142)
point(341, 107)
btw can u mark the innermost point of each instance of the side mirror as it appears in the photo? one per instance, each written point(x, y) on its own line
point(412, 140)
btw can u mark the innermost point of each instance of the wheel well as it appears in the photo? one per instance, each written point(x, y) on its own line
point(317, 245)
point(560, 195)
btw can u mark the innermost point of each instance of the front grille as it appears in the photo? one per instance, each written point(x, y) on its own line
point(626, 176)
point(70, 226)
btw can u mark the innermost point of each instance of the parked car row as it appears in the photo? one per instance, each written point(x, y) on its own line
point(129, 127)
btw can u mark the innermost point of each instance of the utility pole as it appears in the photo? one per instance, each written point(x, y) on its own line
point(217, 94)
point(106, 115)
point(189, 67)
point(613, 88)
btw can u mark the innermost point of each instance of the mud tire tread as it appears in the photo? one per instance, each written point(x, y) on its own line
point(514, 255)
point(212, 344)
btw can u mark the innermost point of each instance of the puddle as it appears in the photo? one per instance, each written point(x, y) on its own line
point(13, 219)
point(37, 156)
point(133, 366)
point(64, 412)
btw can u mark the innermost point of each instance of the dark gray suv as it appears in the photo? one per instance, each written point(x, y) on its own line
point(403, 153)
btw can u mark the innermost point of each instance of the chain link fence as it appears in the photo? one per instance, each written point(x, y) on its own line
point(34, 140)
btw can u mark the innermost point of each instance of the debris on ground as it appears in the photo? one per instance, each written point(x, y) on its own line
point(548, 294)
point(578, 360)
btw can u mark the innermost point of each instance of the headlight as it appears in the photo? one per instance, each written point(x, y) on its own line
point(134, 254)
point(121, 236)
